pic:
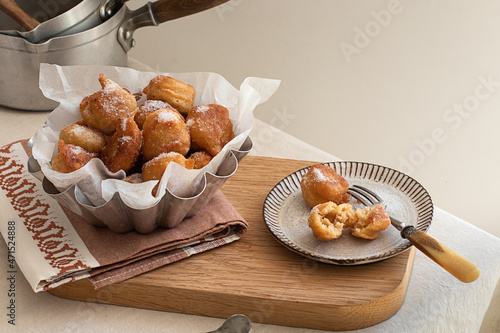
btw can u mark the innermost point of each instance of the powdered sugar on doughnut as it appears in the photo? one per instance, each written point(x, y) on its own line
point(79, 130)
point(162, 156)
point(123, 124)
point(113, 101)
point(82, 132)
point(202, 108)
point(76, 150)
point(318, 175)
point(169, 154)
point(125, 138)
point(153, 105)
point(167, 116)
point(134, 178)
point(315, 175)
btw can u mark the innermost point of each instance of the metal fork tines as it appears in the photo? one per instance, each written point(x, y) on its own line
point(455, 264)
point(370, 199)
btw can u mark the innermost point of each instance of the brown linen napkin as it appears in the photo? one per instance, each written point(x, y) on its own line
point(73, 248)
point(122, 256)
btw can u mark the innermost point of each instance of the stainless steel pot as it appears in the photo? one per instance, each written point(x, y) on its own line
point(105, 44)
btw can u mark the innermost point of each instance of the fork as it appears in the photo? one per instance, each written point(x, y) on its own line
point(455, 264)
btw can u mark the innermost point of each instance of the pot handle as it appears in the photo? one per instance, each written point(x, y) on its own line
point(155, 13)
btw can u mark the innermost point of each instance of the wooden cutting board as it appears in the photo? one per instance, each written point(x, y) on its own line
point(260, 278)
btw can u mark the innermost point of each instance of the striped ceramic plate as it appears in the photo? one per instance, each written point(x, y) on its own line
point(285, 214)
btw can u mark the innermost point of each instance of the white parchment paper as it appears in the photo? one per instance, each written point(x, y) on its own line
point(68, 85)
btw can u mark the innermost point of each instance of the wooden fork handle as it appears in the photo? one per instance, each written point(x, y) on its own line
point(455, 264)
point(10, 8)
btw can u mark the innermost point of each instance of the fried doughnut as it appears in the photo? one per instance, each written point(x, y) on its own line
point(124, 147)
point(79, 135)
point(134, 178)
point(154, 169)
point(176, 93)
point(164, 131)
point(148, 107)
point(102, 109)
point(201, 158)
point(322, 184)
point(370, 222)
point(210, 127)
point(328, 220)
point(71, 158)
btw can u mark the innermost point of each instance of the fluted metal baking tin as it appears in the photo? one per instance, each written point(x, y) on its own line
point(168, 213)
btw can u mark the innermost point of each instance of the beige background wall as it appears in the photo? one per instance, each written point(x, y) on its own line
point(413, 85)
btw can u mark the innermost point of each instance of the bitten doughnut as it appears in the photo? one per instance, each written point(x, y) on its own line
point(210, 127)
point(164, 131)
point(102, 109)
point(88, 138)
point(178, 94)
point(370, 222)
point(154, 169)
point(70, 158)
point(124, 147)
point(148, 107)
point(328, 220)
point(322, 184)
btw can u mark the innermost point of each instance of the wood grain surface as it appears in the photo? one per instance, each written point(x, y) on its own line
point(260, 278)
